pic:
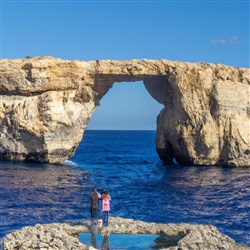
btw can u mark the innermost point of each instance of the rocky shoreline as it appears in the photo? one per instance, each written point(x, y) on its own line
point(171, 236)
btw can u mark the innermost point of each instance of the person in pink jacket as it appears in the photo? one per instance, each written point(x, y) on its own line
point(105, 207)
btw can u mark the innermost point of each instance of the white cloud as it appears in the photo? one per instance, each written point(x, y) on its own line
point(218, 41)
point(234, 40)
point(231, 40)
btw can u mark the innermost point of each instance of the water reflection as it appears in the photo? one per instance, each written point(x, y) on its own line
point(120, 241)
point(105, 242)
point(94, 231)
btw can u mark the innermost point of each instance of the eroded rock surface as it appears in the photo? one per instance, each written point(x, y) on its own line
point(171, 236)
point(46, 103)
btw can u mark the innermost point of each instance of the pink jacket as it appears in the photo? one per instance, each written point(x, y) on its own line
point(106, 204)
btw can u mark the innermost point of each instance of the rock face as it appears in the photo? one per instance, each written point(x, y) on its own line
point(171, 236)
point(46, 103)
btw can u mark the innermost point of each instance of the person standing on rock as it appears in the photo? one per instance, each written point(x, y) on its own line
point(105, 207)
point(94, 203)
point(94, 207)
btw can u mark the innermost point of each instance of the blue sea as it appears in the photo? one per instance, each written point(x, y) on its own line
point(140, 185)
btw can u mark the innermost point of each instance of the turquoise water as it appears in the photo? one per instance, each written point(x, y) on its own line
point(119, 241)
point(140, 185)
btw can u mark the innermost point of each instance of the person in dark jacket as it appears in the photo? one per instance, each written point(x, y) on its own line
point(94, 203)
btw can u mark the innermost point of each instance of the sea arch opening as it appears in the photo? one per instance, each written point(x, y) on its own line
point(126, 106)
point(128, 102)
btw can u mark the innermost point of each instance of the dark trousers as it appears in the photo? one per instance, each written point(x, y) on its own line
point(105, 218)
point(94, 212)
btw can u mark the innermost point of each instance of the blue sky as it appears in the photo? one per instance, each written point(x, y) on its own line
point(190, 31)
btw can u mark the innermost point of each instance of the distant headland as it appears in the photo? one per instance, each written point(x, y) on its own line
point(46, 103)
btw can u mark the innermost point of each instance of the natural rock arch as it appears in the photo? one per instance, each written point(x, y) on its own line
point(46, 103)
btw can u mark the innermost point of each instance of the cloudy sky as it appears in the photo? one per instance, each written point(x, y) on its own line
point(190, 31)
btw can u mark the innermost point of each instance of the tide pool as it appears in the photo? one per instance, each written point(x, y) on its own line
point(118, 241)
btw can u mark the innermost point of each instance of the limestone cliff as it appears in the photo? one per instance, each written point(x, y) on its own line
point(46, 103)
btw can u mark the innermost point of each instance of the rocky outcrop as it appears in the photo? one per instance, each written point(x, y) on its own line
point(171, 236)
point(46, 103)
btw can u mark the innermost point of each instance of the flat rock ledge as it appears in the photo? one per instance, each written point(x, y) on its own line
point(171, 236)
